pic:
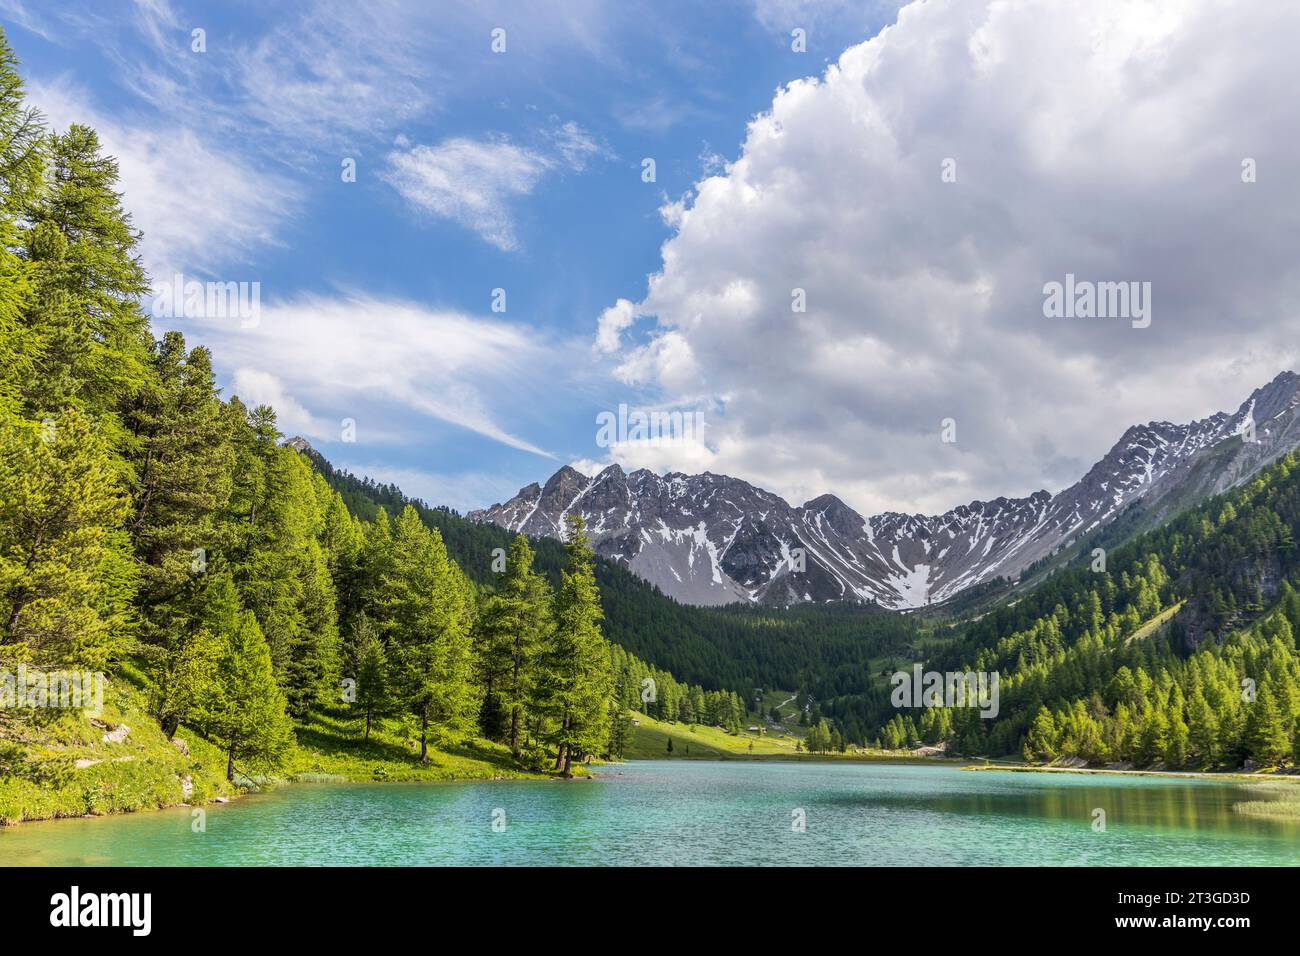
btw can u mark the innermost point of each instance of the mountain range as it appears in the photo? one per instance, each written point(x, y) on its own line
point(712, 539)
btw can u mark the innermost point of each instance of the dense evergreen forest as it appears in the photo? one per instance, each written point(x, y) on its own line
point(1179, 652)
point(146, 521)
point(626, 601)
point(823, 651)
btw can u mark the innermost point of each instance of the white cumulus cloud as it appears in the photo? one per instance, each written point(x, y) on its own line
point(612, 322)
point(1099, 139)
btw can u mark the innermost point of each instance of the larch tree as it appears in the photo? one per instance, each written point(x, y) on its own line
point(66, 576)
point(180, 458)
point(426, 608)
point(185, 678)
point(1040, 743)
point(575, 678)
point(373, 693)
point(510, 632)
point(92, 337)
point(342, 537)
point(22, 141)
point(1202, 729)
point(245, 711)
point(280, 565)
point(1266, 738)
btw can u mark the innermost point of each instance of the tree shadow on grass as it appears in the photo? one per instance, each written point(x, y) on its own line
point(333, 731)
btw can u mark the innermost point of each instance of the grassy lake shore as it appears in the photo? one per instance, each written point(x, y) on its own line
point(68, 765)
point(1270, 776)
point(72, 765)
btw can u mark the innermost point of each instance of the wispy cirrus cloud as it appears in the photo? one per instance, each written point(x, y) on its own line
point(256, 386)
point(200, 206)
point(340, 73)
point(467, 181)
point(473, 182)
point(832, 21)
point(387, 364)
point(30, 17)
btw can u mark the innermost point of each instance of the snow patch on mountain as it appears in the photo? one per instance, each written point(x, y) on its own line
point(713, 539)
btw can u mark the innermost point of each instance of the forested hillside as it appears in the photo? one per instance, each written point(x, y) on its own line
point(1179, 652)
point(150, 527)
point(826, 651)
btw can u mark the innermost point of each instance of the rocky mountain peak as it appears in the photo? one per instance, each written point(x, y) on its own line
point(716, 539)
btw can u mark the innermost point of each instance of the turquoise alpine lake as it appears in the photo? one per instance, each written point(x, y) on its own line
point(699, 813)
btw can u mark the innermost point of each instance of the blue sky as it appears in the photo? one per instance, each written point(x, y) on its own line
point(1101, 140)
point(284, 92)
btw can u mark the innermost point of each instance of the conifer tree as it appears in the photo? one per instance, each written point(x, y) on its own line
point(186, 682)
point(1040, 744)
point(342, 537)
point(22, 135)
point(245, 712)
point(1265, 735)
point(91, 336)
point(494, 629)
point(185, 668)
point(426, 609)
point(374, 697)
point(66, 577)
point(22, 138)
point(1178, 740)
point(575, 677)
point(1155, 735)
point(620, 717)
point(511, 630)
point(1202, 729)
point(280, 565)
point(181, 459)
point(314, 650)
point(375, 562)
